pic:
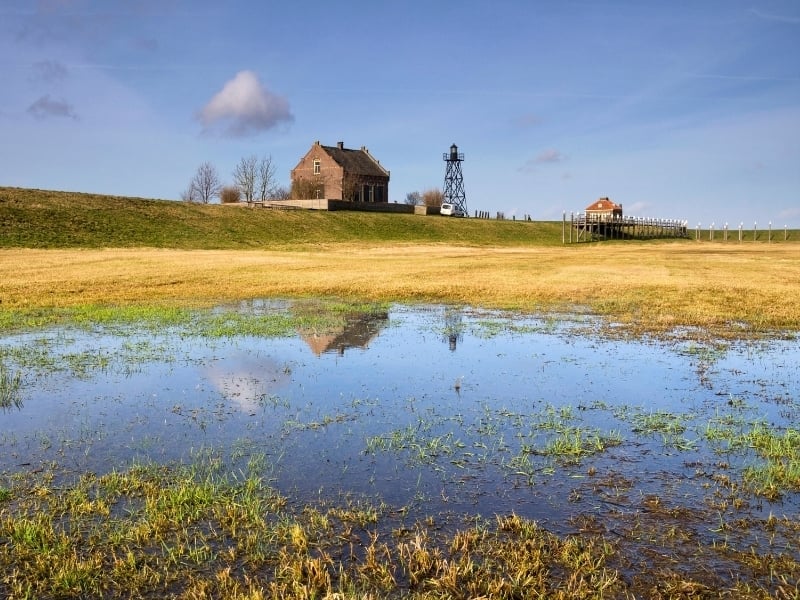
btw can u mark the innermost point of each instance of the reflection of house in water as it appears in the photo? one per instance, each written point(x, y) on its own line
point(357, 332)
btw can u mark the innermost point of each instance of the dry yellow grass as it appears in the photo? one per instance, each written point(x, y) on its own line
point(650, 286)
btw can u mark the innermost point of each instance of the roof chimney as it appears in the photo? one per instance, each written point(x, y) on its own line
point(340, 145)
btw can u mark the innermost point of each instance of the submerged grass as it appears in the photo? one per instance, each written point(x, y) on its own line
point(187, 532)
point(10, 384)
point(780, 471)
point(317, 314)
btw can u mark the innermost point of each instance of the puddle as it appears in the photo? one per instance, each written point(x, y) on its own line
point(433, 411)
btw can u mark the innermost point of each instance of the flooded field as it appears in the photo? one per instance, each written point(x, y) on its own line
point(439, 415)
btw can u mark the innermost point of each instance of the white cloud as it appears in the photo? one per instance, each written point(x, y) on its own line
point(244, 107)
point(47, 107)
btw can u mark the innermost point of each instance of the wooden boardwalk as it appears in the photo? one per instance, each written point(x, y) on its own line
point(589, 228)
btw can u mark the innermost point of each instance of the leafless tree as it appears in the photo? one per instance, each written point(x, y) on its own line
point(414, 198)
point(304, 189)
point(266, 177)
point(245, 176)
point(281, 192)
point(189, 194)
point(205, 185)
point(350, 188)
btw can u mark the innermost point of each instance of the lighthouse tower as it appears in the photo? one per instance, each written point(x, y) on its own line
point(454, 180)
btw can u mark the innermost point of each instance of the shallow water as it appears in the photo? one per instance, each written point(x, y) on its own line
point(431, 410)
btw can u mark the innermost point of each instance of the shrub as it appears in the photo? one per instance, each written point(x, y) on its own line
point(432, 197)
point(229, 194)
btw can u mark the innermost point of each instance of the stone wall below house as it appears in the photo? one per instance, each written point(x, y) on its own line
point(331, 205)
point(326, 204)
point(389, 207)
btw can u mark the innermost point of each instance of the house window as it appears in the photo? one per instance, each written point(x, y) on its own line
point(316, 166)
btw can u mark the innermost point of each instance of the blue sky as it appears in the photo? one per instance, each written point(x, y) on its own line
point(685, 110)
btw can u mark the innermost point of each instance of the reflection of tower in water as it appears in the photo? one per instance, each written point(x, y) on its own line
point(453, 328)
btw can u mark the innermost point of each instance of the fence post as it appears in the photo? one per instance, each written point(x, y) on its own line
point(755, 224)
point(769, 235)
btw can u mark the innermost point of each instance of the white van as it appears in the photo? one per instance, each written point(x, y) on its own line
point(449, 210)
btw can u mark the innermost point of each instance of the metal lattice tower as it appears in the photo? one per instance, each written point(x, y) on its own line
point(454, 180)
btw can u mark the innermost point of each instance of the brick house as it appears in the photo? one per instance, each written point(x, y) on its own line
point(604, 209)
point(339, 173)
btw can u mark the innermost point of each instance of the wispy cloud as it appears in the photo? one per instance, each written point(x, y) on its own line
point(244, 107)
point(789, 213)
point(46, 107)
point(48, 6)
point(527, 121)
point(549, 156)
point(49, 71)
point(637, 208)
point(773, 17)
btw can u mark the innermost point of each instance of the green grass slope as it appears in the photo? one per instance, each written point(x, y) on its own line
point(48, 219)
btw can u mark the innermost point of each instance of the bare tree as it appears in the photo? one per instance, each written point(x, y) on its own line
point(245, 177)
point(266, 177)
point(413, 198)
point(205, 185)
point(350, 189)
point(281, 192)
point(305, 189)
point(189, 194)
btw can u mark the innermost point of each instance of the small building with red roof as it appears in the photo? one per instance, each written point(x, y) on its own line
point(604, 209)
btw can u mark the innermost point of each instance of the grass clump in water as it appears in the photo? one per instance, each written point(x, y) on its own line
point(10, 384)
point(780, 472)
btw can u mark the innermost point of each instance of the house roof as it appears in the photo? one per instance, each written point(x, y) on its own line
point(358, 162)
point(604, 204)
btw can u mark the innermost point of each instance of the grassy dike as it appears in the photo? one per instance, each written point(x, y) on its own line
point(47, 219)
